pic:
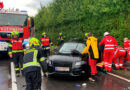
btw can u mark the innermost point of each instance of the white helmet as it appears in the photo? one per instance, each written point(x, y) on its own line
point(106, 33)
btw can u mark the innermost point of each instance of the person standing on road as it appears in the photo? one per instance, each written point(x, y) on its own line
point(109, 48)
point(61, 39)
point(34, 60)
point(16, 52)
point(93, 51)
point(46, 43)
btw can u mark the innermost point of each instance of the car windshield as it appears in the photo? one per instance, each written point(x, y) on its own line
point(68, 47)
point(13, 19)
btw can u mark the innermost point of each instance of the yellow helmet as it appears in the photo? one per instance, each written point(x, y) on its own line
point(15, 33)
point(34, 42)
point(43, 33)
point(86, 34)
point(60, 33)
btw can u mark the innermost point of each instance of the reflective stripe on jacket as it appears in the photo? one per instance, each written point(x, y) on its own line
point(32, 59)
point(61, 37)
point(126, 45)
point(15, 46)
point(119, 51)
point(109, 42)
point(45, 41)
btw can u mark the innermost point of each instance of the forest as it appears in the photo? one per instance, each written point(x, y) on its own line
point(75, 17)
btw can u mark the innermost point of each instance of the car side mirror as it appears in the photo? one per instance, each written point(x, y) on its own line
point(75, 53)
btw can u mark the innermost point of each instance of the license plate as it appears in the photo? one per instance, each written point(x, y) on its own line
point(3, 46)
point(62, 69)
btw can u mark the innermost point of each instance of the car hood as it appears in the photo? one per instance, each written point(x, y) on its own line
point(64, 58)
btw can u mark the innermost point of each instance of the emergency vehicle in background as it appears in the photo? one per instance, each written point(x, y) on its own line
point(14, 20)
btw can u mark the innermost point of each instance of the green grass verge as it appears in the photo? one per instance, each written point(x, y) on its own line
point(124, 72)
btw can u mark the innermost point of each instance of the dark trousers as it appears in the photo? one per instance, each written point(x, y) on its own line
point(33, 80)
point(61, 42)
point(47, 52)
point(44, 68)
point(18, 62)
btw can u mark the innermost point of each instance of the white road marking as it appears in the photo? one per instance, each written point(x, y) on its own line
point(125, 79)
point(13, 77)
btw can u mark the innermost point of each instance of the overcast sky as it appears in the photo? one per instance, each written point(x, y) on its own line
point(29, 5)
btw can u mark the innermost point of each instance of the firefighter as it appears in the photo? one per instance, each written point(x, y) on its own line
point(86, 35)
point(16, 52)
point(61, 39)
point(34, 60)
point(93, 51)
point(119, 53)
point(46, 43)
point(109, 48)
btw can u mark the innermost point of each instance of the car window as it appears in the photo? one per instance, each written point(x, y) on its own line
point(80, 47)
point(68, 47)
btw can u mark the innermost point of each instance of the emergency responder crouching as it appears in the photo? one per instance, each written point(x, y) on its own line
point(16, 52)
point(46, 43)
point(33, 59)
point(118, 56)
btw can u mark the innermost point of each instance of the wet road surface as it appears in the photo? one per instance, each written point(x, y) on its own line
point(104, 81)
point(4, 72)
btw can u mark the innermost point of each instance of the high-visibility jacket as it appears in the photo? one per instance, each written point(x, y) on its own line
point(92, 48)
point(16, 45)
point(126, 45)
point(61, 37)
point(119, 52)
point(45, 41)
point(110, 43)
point(33, 59)
point(101, 64)
point(128, 55)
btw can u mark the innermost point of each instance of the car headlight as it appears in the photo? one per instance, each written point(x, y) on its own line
point(78, 63)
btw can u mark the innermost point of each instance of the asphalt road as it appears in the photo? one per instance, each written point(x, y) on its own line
point(4, 72)
point(104, 81)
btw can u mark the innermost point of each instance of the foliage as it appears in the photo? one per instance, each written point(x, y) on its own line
point(75, 17)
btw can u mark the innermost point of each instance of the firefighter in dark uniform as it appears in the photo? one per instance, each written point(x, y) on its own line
point(61, 39)
point(46, 43)
point(34, 60)
point(16, 52)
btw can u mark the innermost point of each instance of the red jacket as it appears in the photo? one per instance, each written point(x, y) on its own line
point(109, 42)
point(17, 44)
point(126, 45)
point(119, 52)
point(45, 41)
